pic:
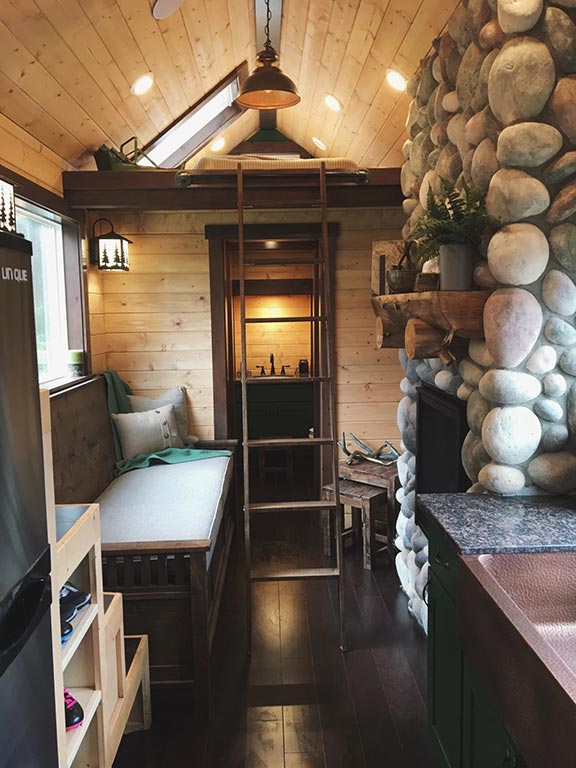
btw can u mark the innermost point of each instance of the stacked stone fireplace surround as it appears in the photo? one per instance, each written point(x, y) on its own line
point(495, 105)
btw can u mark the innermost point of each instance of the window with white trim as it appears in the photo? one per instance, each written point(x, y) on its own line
point(44, 230)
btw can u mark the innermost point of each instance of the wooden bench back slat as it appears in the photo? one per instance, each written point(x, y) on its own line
point(82, 445)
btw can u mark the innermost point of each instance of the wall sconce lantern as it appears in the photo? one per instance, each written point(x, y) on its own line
point(7, 207)
point(109, 250)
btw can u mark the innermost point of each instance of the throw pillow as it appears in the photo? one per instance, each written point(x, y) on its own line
point(147, 431)
point(175, 397)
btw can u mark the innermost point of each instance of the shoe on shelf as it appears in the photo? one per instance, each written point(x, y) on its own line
point(66, 630)
point(71, 600)
point(73, 711)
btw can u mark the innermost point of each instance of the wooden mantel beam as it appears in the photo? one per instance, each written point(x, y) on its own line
point(457, 313)
point(158, 190)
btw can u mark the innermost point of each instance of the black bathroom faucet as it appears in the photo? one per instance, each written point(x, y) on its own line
point(272, 369)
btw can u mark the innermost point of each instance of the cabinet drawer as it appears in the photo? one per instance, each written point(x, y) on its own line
point(443, 559)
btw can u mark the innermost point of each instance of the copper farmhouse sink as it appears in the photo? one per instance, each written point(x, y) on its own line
point(517, 624)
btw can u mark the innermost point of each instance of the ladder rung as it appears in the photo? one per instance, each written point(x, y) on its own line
point(302, 204)
point(266, 573)
point(308, 319)
point(285, 379)
point(291, 506)
point(289, 442)
point(281, 262)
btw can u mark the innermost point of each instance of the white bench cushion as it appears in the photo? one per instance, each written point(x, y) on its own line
point(166, 503)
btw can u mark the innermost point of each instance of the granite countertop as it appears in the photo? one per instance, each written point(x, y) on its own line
point(486, 524)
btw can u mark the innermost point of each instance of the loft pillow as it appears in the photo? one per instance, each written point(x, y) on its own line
point(175, 397)
point(147, 431)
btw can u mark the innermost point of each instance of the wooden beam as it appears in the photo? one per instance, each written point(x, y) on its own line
point(157, 190)
point(422, 341)
point(275, 287)
point(455, 312)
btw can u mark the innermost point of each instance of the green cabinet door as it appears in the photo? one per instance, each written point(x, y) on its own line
point(444, 675)
point(485, 741)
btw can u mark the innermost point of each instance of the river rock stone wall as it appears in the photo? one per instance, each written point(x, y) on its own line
point(495, 105)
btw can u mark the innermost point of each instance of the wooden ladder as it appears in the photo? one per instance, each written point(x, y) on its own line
point(322, 320)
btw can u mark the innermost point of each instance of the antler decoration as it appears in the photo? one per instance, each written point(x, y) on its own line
point(378, 456)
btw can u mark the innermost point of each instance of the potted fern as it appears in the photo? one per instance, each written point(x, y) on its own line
point(452, 228)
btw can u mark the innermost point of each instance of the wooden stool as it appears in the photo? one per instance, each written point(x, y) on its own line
point(374, 509)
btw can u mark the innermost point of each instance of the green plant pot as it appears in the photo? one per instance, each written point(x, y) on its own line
point(457, 267)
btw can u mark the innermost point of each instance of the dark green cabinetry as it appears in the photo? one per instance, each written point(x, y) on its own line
point(464, 724)
point(277, 409)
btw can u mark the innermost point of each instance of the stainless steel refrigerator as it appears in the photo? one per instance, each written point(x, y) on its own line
point(27, 709)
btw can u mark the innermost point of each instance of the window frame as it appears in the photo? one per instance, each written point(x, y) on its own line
point(200, 139)
point(75, 279)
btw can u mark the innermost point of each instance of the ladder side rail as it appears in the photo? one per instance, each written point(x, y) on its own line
point(243, 379)
point(329, 325)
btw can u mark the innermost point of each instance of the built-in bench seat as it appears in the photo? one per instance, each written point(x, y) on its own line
point(166, 534)
point(181, 505)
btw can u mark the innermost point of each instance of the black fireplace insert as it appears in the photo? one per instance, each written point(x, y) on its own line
point(441, 429)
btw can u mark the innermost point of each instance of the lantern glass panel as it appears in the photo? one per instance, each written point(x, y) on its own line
point(112, 253)
point(7, 207)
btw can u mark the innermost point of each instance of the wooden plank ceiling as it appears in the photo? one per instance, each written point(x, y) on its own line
point(66, 67)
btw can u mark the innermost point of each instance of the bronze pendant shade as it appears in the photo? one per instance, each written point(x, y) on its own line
point(268, 87)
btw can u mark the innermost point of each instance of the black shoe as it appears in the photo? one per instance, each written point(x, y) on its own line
point(66, 630)
point(71, 600)
point(73, 711)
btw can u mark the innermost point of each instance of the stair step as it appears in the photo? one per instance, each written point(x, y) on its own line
point(288, 442)
point(290, 506)
point(266, 573)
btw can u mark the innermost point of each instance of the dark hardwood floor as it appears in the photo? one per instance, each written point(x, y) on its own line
point(299, 702)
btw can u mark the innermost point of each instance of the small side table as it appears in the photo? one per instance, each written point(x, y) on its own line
point(372, 503)
point(380, 503)
point(370, 473)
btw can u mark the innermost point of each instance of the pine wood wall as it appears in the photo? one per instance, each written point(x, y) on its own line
point(153, 323)
point(27, 156)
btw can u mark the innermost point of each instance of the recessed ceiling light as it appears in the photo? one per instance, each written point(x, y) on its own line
point(217, 145)
point(319, 143)
point(396, 80)
point(332, 103)
point(164, 8)
point(142, 84)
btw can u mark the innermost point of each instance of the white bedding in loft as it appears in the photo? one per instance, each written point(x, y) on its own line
point(267, 162)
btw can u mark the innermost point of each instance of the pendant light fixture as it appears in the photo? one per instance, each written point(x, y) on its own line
point(268, 87)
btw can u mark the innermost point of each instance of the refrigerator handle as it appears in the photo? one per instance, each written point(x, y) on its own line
point(20, 613)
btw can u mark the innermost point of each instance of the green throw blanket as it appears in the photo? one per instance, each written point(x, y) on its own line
point(118, 402)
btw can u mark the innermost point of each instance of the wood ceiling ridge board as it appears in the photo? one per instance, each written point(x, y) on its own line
point(332, 60)
point(117, 37)
point(150, 41)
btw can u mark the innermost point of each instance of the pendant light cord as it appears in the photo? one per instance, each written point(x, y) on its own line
point(268, 44)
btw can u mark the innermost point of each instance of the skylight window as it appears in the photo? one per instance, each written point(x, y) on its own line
point(198, 125)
